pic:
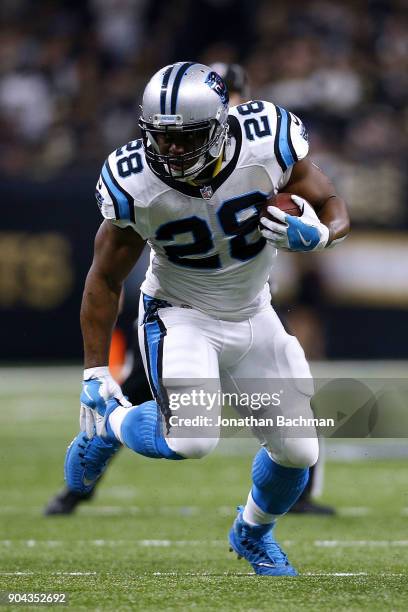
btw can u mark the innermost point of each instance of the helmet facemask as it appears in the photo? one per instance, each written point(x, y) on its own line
point(202, 141)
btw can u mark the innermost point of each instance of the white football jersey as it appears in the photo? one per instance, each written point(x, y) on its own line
point(206, 248)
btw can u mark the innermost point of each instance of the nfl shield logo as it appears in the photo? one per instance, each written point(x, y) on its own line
point(206, 192)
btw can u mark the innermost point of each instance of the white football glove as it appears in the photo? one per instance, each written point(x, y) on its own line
point(304, 233)
point(98, 388)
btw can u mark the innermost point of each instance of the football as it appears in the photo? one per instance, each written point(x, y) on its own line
point(284, 202)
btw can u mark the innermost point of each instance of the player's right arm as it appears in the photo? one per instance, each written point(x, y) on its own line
point(116, 252)
point(118, 245)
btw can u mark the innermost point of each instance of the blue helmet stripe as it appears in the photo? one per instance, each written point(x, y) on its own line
point(284, 147)
point(124, 208)
point(176, 84)
point(163, 92)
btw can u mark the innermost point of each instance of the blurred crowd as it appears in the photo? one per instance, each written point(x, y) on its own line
point(72, 73)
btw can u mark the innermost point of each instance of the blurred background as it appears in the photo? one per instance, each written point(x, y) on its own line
point(71, 78)
point(72, 74)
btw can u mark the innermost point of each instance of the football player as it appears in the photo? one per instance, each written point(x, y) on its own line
point(136, 387)
point(193, 187)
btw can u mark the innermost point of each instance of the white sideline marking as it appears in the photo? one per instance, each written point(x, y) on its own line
point(214, 575)
point(75, 573)
point(346, 543)
point(182, 543)
point(354, 511)
point(16, 573)
point(317, 574)
point(143, 543)
point(341, 574)
point(51, 573)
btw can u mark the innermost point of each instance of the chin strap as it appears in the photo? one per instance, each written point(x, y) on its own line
point(217, 168)
point(218, 165)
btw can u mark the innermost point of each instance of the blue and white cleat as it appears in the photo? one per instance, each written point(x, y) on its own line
point(86, 460)
point(258, 547)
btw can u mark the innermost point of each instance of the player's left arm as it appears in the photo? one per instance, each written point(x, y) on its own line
point(324, 220)
point(309, 182)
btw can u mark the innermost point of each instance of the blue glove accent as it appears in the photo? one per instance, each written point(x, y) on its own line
point(275, 487)
point(301, 237)
point(91, 397)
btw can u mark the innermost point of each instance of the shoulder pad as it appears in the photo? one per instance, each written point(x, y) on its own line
point(120, 188)
point(116, 192)
point(291, 142)
point(121, 164)
point(272, 130)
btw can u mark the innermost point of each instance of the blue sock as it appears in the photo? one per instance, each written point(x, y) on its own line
point(275, 487)
point(141, 431)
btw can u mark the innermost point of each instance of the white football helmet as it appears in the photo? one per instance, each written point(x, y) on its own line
point(185, 103)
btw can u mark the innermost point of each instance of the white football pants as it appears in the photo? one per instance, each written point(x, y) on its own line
point(184, 349)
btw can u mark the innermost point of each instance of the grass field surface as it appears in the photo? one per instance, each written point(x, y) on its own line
point(155, 537)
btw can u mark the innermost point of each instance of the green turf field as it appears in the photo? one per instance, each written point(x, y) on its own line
point(156, 536)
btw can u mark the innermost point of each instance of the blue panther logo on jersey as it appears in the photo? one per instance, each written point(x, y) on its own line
point(99, 198)
point(304, 134)
point(216, 83)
